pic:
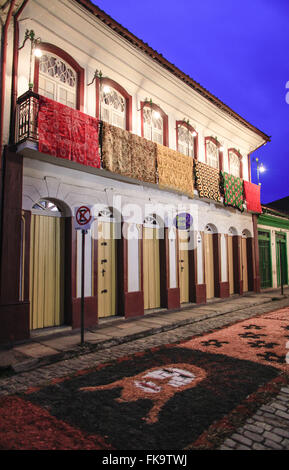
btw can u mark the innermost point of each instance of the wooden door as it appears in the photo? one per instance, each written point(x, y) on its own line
point(265, 259)
point(244, 266)
point(209, 265)
point(281, 259)
point(183, 236)
point(231, 265)
point(46, 271)
point(106, 263)
point(151, 268)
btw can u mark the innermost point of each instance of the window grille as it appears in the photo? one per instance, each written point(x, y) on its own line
point(234, 164)
point(153, 125)
point(186, 141)
point(113, 107)
point(212, 154)
point(57, 80)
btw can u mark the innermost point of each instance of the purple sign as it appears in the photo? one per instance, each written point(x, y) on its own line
point(183, 221)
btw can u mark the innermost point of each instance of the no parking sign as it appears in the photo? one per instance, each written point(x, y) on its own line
point(82, 221)
point(83, 217)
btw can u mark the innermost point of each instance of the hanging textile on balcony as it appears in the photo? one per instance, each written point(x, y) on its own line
point(207, 181)
point(116, 152)
point(232, 190)
point(143, 159)
point(128, 154)
point(252, 197)
point(175, 170)
point(67, 133)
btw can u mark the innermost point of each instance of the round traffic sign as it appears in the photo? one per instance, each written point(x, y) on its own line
point(83, 215)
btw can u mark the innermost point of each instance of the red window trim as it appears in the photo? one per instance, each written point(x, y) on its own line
point(220, 151)
point(122, 91)
point(155, 107)
point(240, 158)
point(191, 129)
point(47, 47)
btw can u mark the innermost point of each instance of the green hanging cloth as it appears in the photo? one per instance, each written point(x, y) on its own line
point(232, 190)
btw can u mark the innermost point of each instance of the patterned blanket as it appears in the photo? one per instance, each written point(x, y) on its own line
point(67, 133)
point(207, 181)
point(232, 190)
point(128, 154)
point(175, 170)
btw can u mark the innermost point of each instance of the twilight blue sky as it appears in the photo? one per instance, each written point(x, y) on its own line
point(238, 50)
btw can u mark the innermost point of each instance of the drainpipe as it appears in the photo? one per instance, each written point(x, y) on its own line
point(14, 91)
point(3, 74)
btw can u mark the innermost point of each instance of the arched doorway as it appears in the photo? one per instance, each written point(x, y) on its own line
point(47, 275)
point(210, 230)
point(151, 263)
point(107, 264)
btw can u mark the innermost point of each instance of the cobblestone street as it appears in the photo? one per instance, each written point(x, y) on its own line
point(267, 428)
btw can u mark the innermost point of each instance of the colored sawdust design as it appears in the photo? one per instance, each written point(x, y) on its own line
point(179, 393)
point(172, 397)
point(263, 341)
point(26, 426)
point(157, 384)
point(282, 315)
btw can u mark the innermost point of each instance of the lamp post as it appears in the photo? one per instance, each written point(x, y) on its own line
point(34, 50)
point(260, 169)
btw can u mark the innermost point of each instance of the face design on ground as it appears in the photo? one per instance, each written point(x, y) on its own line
point(159, 384)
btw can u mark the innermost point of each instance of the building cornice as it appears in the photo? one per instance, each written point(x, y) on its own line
point(157, 57)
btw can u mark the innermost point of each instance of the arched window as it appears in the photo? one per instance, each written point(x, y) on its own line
point(187, 139)
point(113, 104)
point(154, 123)
point(57, 80)
point(46, 207)
point(214, 156)
point(235, 163)
point(59, 77)
point(112, 107)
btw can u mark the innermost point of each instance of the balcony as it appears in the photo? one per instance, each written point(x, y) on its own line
point(68, 134)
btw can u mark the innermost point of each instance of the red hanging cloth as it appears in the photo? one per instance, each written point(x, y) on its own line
point(252, 197)
point(67, 133)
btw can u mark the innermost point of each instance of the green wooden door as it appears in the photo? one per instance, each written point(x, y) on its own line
point(281, 255)
point(265, 259)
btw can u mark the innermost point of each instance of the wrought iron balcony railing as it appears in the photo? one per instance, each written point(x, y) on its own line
point(27, 117)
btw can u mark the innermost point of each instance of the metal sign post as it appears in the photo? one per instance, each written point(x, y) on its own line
point(83, 220)
point(83, 233)
point(281, 270)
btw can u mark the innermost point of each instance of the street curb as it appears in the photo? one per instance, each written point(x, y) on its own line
point(88, 348)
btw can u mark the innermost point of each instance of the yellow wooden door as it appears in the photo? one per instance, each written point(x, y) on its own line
point(209, 265)
point(106, 262)
point(151, 268)
point(46, 271)
point(244, 264)
point(231, 265)
point(184, 265)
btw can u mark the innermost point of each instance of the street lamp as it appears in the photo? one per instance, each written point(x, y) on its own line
point(34, 50)
point(260, 169)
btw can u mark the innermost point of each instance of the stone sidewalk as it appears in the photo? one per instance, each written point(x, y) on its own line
point(50, 346)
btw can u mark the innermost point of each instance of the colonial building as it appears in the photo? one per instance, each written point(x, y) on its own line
point(273, 236)
point(91, 115)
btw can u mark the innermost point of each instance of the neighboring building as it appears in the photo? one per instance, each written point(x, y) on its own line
point(281, 205)
point(109, 122)
point(273, 236)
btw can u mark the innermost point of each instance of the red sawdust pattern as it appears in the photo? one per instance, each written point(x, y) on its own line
point(24, 426)
point(261, 339)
